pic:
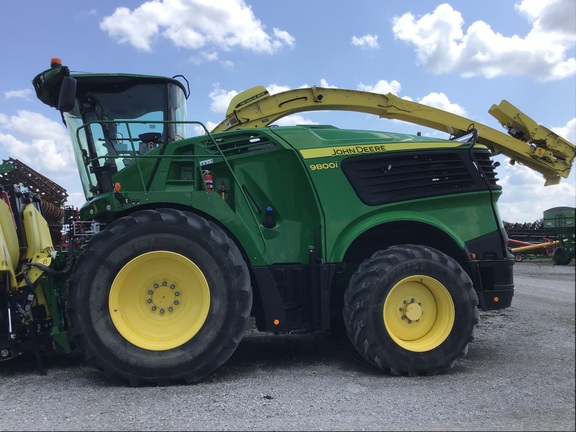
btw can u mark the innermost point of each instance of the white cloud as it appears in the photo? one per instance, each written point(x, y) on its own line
point(293, 120)
point(198, 130)
point(277, 88)
point(551, 17)
point(227, 64)
point(22, 94)
point(443, 45)
point(194, 24)
point(90, 12)
point(441, 101)
point(284, 36)
point(40, 143)
point(382, 86)
point(366, 42)
point(203, 57)
point(568, 132)
point(211, 56)
point(324, 84)
point(524, 197)
point(220, 99)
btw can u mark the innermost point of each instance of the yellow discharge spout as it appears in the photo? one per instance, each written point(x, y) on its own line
point(535, 246)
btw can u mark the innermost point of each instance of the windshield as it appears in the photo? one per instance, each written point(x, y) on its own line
point(111, 125)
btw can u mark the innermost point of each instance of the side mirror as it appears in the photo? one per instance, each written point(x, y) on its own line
point(67, 94)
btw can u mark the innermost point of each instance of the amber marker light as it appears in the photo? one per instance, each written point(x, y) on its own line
point(496, 299)
point(276, 321)
point(117, 187)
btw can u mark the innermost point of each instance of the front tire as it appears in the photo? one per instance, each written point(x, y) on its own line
point(159, 296)
point(411, 310)
point(561, 257)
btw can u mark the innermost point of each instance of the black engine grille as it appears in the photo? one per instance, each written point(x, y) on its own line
point(385, 178)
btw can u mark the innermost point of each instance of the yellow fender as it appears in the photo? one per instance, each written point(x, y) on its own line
point(39, 247)
point(10, 250)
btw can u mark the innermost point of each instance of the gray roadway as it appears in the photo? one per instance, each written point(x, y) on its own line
point(518, 375)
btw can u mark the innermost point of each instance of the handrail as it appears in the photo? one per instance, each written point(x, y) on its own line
point(194, 157)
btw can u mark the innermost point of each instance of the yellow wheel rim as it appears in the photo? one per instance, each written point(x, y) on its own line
point(419, 313)
point(159, 300)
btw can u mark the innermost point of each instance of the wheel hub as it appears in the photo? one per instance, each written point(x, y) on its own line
point(163, 297)
point(413, 311)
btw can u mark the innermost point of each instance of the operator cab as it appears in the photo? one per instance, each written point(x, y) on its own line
point(114, 119)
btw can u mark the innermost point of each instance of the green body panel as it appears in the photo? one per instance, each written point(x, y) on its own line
point(274, 179)
point(347, 217)
point(55, 295)
point(472, 219)
point(107, 207)
point(251, 182)
point(297, 172)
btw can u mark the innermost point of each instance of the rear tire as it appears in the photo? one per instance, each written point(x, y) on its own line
point(560, 257)
point(411, 310)
point(159, 296)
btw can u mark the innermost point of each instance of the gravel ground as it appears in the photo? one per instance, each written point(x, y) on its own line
point(518, 375)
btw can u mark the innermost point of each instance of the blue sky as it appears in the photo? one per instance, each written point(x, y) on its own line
point(461, 56)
